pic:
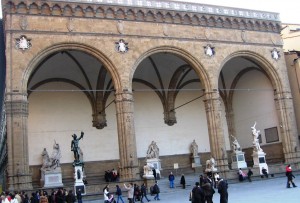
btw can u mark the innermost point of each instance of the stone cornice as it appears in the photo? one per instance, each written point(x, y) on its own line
point(204, 15)
point(187, 7)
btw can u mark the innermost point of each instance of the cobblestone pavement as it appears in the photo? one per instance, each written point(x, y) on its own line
point(271, 190)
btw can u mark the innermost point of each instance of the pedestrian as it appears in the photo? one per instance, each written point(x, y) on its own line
point(79, 195)
point(290, 176)
point(137, 193)
point(144, 193)
point(156, 191)
point(249, 174)
point(70, 198)
point(171, 180)
point(119, 194)
point(222, 190)
point(43, 198)
point(105, 193)
point(182, 181)
point(241, 175)
point(2, 200)
point(130, 191)
point(265, 172)
point(208, 192)
point(197, 194)
point(216, 177)
point(154, 173)
point(201, 180)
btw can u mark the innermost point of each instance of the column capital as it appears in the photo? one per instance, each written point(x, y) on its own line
point(16, 107)
point(124, 95)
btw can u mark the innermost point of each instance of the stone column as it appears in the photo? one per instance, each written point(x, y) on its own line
point(19, 176)
point(215, 130)
point(287, 126)
point(126, 133)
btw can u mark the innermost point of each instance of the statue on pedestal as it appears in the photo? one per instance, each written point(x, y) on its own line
point(51, 175)
point(194, 148)
point(235, 144)
point(51, 163)
point(153, 151)
point(255, 134)
point(75, 147)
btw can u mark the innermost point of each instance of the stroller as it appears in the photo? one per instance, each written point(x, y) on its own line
point(111, 198)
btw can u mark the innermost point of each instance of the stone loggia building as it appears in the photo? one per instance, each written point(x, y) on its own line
point(127, 72)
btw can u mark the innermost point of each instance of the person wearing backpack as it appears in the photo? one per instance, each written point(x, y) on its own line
point(156, 191)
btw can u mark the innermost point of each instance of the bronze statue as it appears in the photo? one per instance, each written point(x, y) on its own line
point(75, 146)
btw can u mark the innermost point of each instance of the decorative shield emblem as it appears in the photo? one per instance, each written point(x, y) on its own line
point(121, 46)
point(209, 50)
point(23, 43)
point(275, 54)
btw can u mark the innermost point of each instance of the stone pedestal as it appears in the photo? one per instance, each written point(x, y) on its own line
point(51, 179)
point(259, 160)
point(196, 164)
point(238, 160)
point(78, 176)
point(157, 166)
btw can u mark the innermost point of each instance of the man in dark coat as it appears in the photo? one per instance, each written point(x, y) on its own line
point(208, 192)
point(182, 181)
point(222, 189)
point(197, 194)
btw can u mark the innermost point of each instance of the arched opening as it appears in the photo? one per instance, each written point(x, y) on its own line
point(69, 91)
point(247, 86)
point(169, 108)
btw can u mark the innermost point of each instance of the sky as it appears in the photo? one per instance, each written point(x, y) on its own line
point(289, 10)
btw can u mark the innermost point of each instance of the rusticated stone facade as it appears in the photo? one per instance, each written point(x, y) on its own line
point(94, 28)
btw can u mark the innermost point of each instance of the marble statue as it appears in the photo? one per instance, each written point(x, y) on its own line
point(235, 144)
point(255, 134)
point(210, 165)
point(75, 147)
point(153, 151)
point(148, 169)
point(51, 163)
point(194, 148)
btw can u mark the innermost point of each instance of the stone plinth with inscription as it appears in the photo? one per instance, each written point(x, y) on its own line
point(78, 176)
point(238, 160)
point(156, 165)
point(52, 178)
point(259, 160)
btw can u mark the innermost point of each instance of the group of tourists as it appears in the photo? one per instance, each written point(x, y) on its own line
point(41, 196)
point(134, 193)
point(111, 175)
point(203, 191)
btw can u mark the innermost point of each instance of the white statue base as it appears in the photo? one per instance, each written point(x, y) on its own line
point(238, 160)
point(196, 164)
point(51, 178)
point(157, 166)
point(196, 161)
point(78, 176)
point(259, 160)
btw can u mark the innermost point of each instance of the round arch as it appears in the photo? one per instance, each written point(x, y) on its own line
point(188, 57)
point(261, 61)
point(71, 46)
